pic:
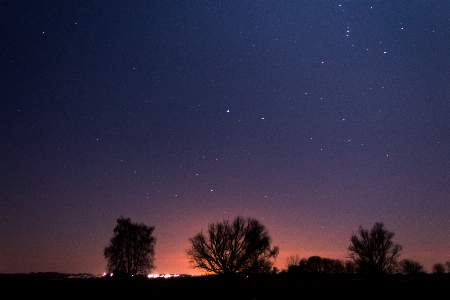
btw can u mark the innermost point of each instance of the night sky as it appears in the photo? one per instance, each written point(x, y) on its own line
point(314, 117)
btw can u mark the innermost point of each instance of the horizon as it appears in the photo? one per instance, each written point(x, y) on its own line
point(279, 263)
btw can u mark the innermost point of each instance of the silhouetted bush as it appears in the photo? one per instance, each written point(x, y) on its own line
point(438, 268)
point(315, 265)
point(410, 267)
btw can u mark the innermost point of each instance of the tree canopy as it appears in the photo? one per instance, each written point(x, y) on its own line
point(131, 249)
point(373, 251)
point(232, 247)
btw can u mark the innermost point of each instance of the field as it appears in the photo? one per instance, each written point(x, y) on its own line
point(393, 287)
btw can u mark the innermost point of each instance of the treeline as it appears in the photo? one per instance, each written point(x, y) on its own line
point(318, 265)
point(245, 246)
point(296, 265)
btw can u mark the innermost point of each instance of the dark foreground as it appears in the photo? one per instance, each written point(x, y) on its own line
point(394, 287)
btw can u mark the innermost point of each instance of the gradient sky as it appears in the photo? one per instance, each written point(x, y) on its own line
point(315, 117)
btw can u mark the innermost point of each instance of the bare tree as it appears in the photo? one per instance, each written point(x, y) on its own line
point(447, 266)
point(131, 249)
point(228, 248)
point(410, 267)
point(374, 252)
point(438, 268)
point(293, 260)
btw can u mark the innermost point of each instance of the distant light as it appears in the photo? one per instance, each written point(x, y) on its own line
point(163, 275)
point(228, 110)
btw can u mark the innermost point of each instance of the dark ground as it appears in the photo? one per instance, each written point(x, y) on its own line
point(393, 287)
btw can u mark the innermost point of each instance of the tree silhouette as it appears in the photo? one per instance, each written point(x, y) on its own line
point(293, 261)
point(314, 265)
point(438, 268)
point(349, 267)
point(333, 266)
point(410, 267)
point(374, 252)
point(131, 249)
point(228, 248)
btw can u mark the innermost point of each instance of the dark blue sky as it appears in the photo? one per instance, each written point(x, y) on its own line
point(313, 117)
